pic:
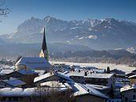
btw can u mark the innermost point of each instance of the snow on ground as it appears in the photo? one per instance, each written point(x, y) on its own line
point(124, 68)
point(6, 69)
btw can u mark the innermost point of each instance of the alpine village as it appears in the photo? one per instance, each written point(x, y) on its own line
point(35, 79)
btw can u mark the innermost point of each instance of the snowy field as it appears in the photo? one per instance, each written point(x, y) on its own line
point(124, 68)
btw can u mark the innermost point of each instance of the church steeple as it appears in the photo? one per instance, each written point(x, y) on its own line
point(44, 51)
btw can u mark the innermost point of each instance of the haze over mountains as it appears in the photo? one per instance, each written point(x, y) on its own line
point(104, 34)
point(75, 35)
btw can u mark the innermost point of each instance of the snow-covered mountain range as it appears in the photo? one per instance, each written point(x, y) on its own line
point(132, 50)
point(103, 34)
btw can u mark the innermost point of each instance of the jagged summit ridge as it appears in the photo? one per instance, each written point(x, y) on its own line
point(96, 33)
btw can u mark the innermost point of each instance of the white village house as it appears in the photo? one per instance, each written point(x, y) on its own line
point(128, 93)
point(105, 79)
point(34, 63)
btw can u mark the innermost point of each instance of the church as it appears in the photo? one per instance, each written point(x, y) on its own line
point(35, 63)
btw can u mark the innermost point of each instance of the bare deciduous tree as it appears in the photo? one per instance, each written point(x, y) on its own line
point(3, 10)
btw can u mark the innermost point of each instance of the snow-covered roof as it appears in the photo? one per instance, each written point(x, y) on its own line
point(46, 75)
point(34, 62)
point(76, 73)
point(6, 71)
point(127, 87)
point(40, 72)
point(82, 89)
point(132, 76)
point(64, 76)
point(94, 91)
point(91, 75)
point(26, 72)
point(98, 75)
point(10, 91)
point(26, 91)
point(14, 82)
point(119, 84)
point(53, 84)
point(117, 71)
point(98, 87)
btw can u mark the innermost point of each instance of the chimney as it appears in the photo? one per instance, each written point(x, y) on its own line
point(85, 73)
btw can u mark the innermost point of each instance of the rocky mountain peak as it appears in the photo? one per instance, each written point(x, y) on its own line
point(95, 33)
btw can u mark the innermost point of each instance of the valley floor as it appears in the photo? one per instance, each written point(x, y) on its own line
point(122, 67)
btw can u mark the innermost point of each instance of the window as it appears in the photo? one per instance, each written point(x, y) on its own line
point(134, 96)
point(126, 99)
point(134, 90)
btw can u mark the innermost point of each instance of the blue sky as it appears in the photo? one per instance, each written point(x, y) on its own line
point(67, 10)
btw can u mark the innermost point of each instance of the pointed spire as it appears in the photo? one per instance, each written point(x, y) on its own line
point(44, 46)
point(44, 50)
